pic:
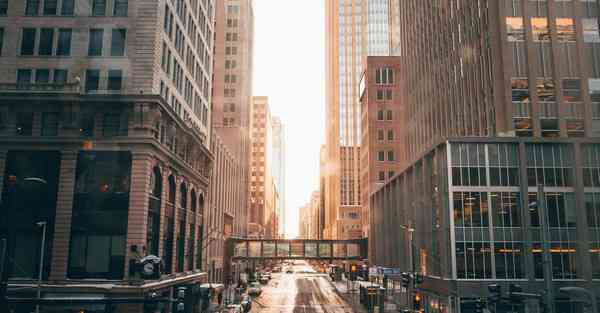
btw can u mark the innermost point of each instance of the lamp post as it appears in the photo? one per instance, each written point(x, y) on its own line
point(43, 225)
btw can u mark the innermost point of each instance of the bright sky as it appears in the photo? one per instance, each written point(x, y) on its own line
point(289, 68)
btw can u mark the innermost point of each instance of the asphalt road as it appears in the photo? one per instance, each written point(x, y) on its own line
point(304, 291)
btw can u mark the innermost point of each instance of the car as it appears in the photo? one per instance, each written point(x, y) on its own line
point(254, 289)
point(276, 269)
point(234, 308)
point(289, 271)
point(268, 274)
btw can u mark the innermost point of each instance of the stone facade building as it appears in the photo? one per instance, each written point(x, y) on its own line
point(104, 142)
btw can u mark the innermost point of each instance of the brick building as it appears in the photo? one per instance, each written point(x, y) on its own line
point(382, 117)
point(104, 137)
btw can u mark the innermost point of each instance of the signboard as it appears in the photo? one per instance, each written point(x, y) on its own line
point(324, 250)
point(268, 249)
point(283, 249)
point(240, 250)
point(310, 250)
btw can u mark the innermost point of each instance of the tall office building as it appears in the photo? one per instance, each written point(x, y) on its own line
point(354, 29)
point(279, 157)
point(232, 86)
point(104, 147)
point(503, 97)
point(263, 220)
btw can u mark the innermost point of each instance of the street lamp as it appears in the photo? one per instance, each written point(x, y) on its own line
point(43, 225)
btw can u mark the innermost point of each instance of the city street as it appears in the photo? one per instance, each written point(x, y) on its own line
point(302, 291)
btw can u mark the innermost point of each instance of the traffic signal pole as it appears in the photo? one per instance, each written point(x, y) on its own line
point(547, 261)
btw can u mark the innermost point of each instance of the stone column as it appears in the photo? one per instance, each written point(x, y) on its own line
point(64, 212)
point(137, 219)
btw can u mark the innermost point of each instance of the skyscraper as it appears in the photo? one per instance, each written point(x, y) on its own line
point(279, 176)
point(104, 144)
point(502, 119)
point(232, 87)
point(354, 29)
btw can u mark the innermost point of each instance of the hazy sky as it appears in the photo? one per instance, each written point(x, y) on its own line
point(289, 68)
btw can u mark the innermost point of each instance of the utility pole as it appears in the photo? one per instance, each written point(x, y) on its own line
point(547, 261)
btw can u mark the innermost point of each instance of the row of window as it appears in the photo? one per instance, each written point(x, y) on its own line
point(381, 134)
point(384, 76)
point(113, 124)
point(42, 76)
point(67, 7)
point(50, 41)
point(381, 175)
point(391, 156)
point(386, 115)
point(565, 29)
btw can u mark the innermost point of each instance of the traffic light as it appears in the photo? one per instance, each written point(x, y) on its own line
point(495, 291)
point(405, 279)
point(417, 302)
point(353, 272)
point(479, 305)
point(514, 291)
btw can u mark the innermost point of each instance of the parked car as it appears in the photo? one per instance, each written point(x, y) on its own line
point(254, 289)
point(234, 308)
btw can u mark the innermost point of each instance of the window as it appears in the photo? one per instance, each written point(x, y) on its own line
point(46, 40)
point(565, 30)
point(514, 29)
point(381, 176)
point(117, 47)
point(49, 124)
point(380, 156)
point(380, 115)
point(28, 41)
point(468, 165)
point(95, 45)
point(50, 7)
point(42, 76)
point(120, 8)
point(391, 174)
point(384, 76)
point(86, 126)
point(380, 95)
point(24, 76)
point(550, 165)
point(3, 7)
point(92, 80)
point(24, 123)
point(388, 94)
point(389, 115)
point(232, 107)
point(101, 190)
point(390, 135)
point(590, 30)
point(380, 135)
point(1, 39)
point(32, 7)
point(68, 7)
point(571, 90)
point(391, 155)
point(60, 76)
point(539, 27)
point(111, 124)
point(98, 7)
point(64, 42)
point(115, 79)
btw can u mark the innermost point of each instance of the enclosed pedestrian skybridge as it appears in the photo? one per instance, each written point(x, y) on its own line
point(304, 249)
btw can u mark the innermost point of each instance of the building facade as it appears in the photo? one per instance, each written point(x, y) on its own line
point(263, 188)
point(316, 231)
point(222, 220)
point(105, 146)
point(382, 121)
point(279, 156)
point(232, 86)
point(509, 106)
point(354, 29)
point(304, 222)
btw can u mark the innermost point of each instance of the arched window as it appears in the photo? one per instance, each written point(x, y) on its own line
point(181, 218)
point(154, 202)
point(169, 226)
point(194, 200)
point(201, 203)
